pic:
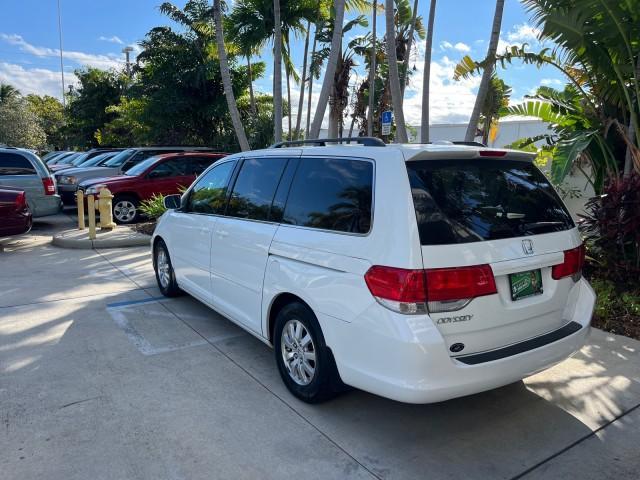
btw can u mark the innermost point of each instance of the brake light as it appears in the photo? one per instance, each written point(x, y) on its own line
point(49, 186)
point(433, 290)
point(492, 153)
point(572, 265)
point(21, 202)
point(450, 289)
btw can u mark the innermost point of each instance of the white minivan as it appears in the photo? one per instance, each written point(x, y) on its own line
point(416, 272)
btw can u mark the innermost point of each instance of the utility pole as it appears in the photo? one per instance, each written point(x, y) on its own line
point(127, 51)
point(64, 103)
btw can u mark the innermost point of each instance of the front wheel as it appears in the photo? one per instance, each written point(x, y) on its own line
point(165, 275)
point(125, 209)
point(305, 362)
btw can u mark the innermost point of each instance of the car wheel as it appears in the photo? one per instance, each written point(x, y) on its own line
point(305, 362)
point(165, 275)
point(125, 209)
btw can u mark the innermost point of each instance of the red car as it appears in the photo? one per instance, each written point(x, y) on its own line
point(163, 174)
point(15, 216)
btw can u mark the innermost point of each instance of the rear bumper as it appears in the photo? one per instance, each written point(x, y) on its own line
point(47, 205)
point(406, 358)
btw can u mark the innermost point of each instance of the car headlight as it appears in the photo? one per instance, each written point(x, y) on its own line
point(94, 189)
point(67, 180)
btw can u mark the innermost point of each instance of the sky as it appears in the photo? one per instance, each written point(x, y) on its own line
point(95, 32)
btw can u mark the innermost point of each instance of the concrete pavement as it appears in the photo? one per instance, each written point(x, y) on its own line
point(102, 378)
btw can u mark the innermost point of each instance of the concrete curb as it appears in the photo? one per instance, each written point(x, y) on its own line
point(118, 238)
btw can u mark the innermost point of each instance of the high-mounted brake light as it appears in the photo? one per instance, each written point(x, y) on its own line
point(49, 186)
point(571, 266)
point(433, 290)
point(492, 153)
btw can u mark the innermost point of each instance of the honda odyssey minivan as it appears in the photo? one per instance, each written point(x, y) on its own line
point(415, 272)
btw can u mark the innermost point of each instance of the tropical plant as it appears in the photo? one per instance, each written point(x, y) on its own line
point(51, 114)
point(496, 100)
point(8, 92)
point(486, 73)
point(19, 126)
point(153, 208)
point(426, 78)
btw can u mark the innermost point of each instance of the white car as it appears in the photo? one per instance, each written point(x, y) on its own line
point(415, 272)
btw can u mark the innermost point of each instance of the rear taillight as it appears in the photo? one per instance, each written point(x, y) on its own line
point(21, 202)
point(572, 265)
point(398, 289)
point(433, 290)
point(450, 289)
point(49, 186)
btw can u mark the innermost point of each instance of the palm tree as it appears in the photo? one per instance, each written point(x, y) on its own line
point(407, 57)
point(394, 77)
point(486, 74)
point(277, 71)
point(303, 78)
point(332, 64)
point(424, 127)
point(372, 70)
point(226, 79)
point(8, 92)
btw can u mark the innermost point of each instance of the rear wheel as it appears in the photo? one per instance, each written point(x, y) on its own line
point(165, 275)
point(125, 209)
point(305, 362)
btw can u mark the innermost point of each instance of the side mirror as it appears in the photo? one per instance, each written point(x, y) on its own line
point(171, 202)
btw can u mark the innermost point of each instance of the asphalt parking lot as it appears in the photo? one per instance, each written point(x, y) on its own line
point(100, 377)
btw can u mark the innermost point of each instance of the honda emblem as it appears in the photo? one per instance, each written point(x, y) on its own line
point(527, 247)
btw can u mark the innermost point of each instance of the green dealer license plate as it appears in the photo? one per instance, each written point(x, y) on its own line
point(525, 284)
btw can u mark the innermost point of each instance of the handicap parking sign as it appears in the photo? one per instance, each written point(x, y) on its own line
point(387, 119)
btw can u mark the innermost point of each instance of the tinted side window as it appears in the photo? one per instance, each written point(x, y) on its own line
point(255, 187)
point(15, 164)
point(170, 168)
point(209, 195)
point(332, 194)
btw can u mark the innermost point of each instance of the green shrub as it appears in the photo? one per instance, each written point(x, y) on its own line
point(154, 207)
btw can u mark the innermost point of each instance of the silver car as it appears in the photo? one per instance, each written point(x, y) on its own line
point(23, 169)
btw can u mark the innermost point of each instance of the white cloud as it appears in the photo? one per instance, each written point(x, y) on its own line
point(80, 58)
point(446, 45)
point(518, 36)
point(35, 80)
point(551, 81)
point(462, 47)
point(114, 39)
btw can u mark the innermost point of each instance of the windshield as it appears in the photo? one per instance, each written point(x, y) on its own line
point(68, 159)
point(120, 158)
point(79, 159)
point(141, 167)
point(462, 201)
point(103, 157)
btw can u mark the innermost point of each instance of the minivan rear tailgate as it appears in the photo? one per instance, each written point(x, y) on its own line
point(493, 321)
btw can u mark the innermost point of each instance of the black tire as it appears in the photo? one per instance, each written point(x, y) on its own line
point(325, 382)
point(167, 285)
point(122, 209)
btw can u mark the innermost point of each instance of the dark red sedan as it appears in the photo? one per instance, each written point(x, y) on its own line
point(15, 215)
point(163, 174)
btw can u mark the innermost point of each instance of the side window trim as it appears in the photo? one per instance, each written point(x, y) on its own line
point(188, 193)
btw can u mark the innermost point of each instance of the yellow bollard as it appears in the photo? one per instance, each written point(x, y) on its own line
point(92, 216)
point(80, 203)
point(106, 212)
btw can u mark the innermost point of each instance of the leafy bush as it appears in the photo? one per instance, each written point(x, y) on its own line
point(616, 311)
point(611, 228)
point(154, 207)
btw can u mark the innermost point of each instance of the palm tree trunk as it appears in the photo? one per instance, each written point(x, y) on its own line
point(252, 98)
point(226, 79)
point(407, 56)
point(330, 71)
point(372, 70)
point(277, 72)
point(313, 52)
point(424, 127)
point(303, 79)
point(486, 74)
point(394, 77)
point(288, 72)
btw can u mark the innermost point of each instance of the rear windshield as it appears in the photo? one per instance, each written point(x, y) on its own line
point(463, 201)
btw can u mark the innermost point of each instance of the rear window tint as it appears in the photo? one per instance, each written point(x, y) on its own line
point(15, 164)
point(331, 194)
point(463, 201)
